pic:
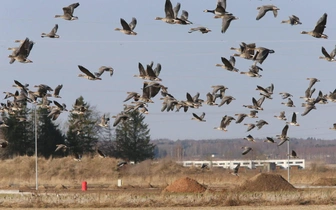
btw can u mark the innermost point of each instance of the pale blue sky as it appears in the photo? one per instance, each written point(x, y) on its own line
point(188, 60)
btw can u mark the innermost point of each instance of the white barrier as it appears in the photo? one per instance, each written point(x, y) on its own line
point(251, 164)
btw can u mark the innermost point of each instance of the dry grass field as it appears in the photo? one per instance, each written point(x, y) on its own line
point(321, 207)
point(145, 185)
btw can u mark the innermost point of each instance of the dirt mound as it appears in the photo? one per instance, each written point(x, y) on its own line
point(185, 184)
point(266, 182)
point(325, 182)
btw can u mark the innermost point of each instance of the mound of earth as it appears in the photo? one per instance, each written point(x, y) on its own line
point(266, 182)
point(185, 184)
point(325, 182)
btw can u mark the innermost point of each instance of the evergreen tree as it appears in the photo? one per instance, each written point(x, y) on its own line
point(19, 133)
point(133, 139)
point(82, 135)
point(48, 134)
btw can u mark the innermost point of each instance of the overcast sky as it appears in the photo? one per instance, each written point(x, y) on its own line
point(188, 60)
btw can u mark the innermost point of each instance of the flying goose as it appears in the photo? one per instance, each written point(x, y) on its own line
point(101, 154)
point(224, 122)
point(204, 166)
point(293, 20)
point(312, 81)
point(267, 92)
point(250, 126)
point(256, 104)
point(240, 117)
point(103, 69)
point(319, 28)
point(52, 33)
point(127, 28)
point(261, 123)
point(59, 106)
point(87, 74)
point(293, 154)
point(265, 8)
point(251, 73)
point(147, 93)
point(226, 100)
point(253, 114)
point(246, 150)
point(283, 136)
point(220, 8)
point(261, 54)
point(142, 72)
point(289, 103)
point(226, 21)
point(150, 90)
point(157, 69)
point(68, 12)
point(321, 99)
point(151, 75)
point(121, 117)
point(198, 118)
point(216, 88)
point(228, 64)
point(133, 95)
point(78, 107)
point(57, 91)
point(285, 95)
point(293, 121)
point(235, 170)
point(61, 147)
point(331, 96)
point(55, 111)
point(22, 52)
point(327, 56)
point(183, 19)
point(201, 29)
point(246, 51)
point(171, 14)
point(210, 100)
point(197, 100)
point(169, 103)
point(249, 138)
point(309, 106)
point(104, 121)
point(308, 94)
point(20, 86)
point(44, 104)
point(281, 116)
point(269, 140)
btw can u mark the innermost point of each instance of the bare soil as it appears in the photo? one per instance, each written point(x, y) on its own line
point(185, 184)
point(266, 182)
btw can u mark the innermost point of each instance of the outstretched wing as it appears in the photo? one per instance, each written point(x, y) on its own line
point(125, 25)
point(85, 71)
point(133, 23)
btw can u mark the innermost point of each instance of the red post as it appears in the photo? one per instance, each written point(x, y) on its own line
point(84, 186)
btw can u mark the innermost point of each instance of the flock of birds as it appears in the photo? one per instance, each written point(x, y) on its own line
point(152, 85)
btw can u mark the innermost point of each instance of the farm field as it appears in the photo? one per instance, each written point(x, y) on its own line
point(320, 207)
point(160, 184)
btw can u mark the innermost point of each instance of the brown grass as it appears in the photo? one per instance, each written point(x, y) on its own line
point(60, 183)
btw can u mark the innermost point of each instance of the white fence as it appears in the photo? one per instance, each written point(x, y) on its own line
point(251, 164)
